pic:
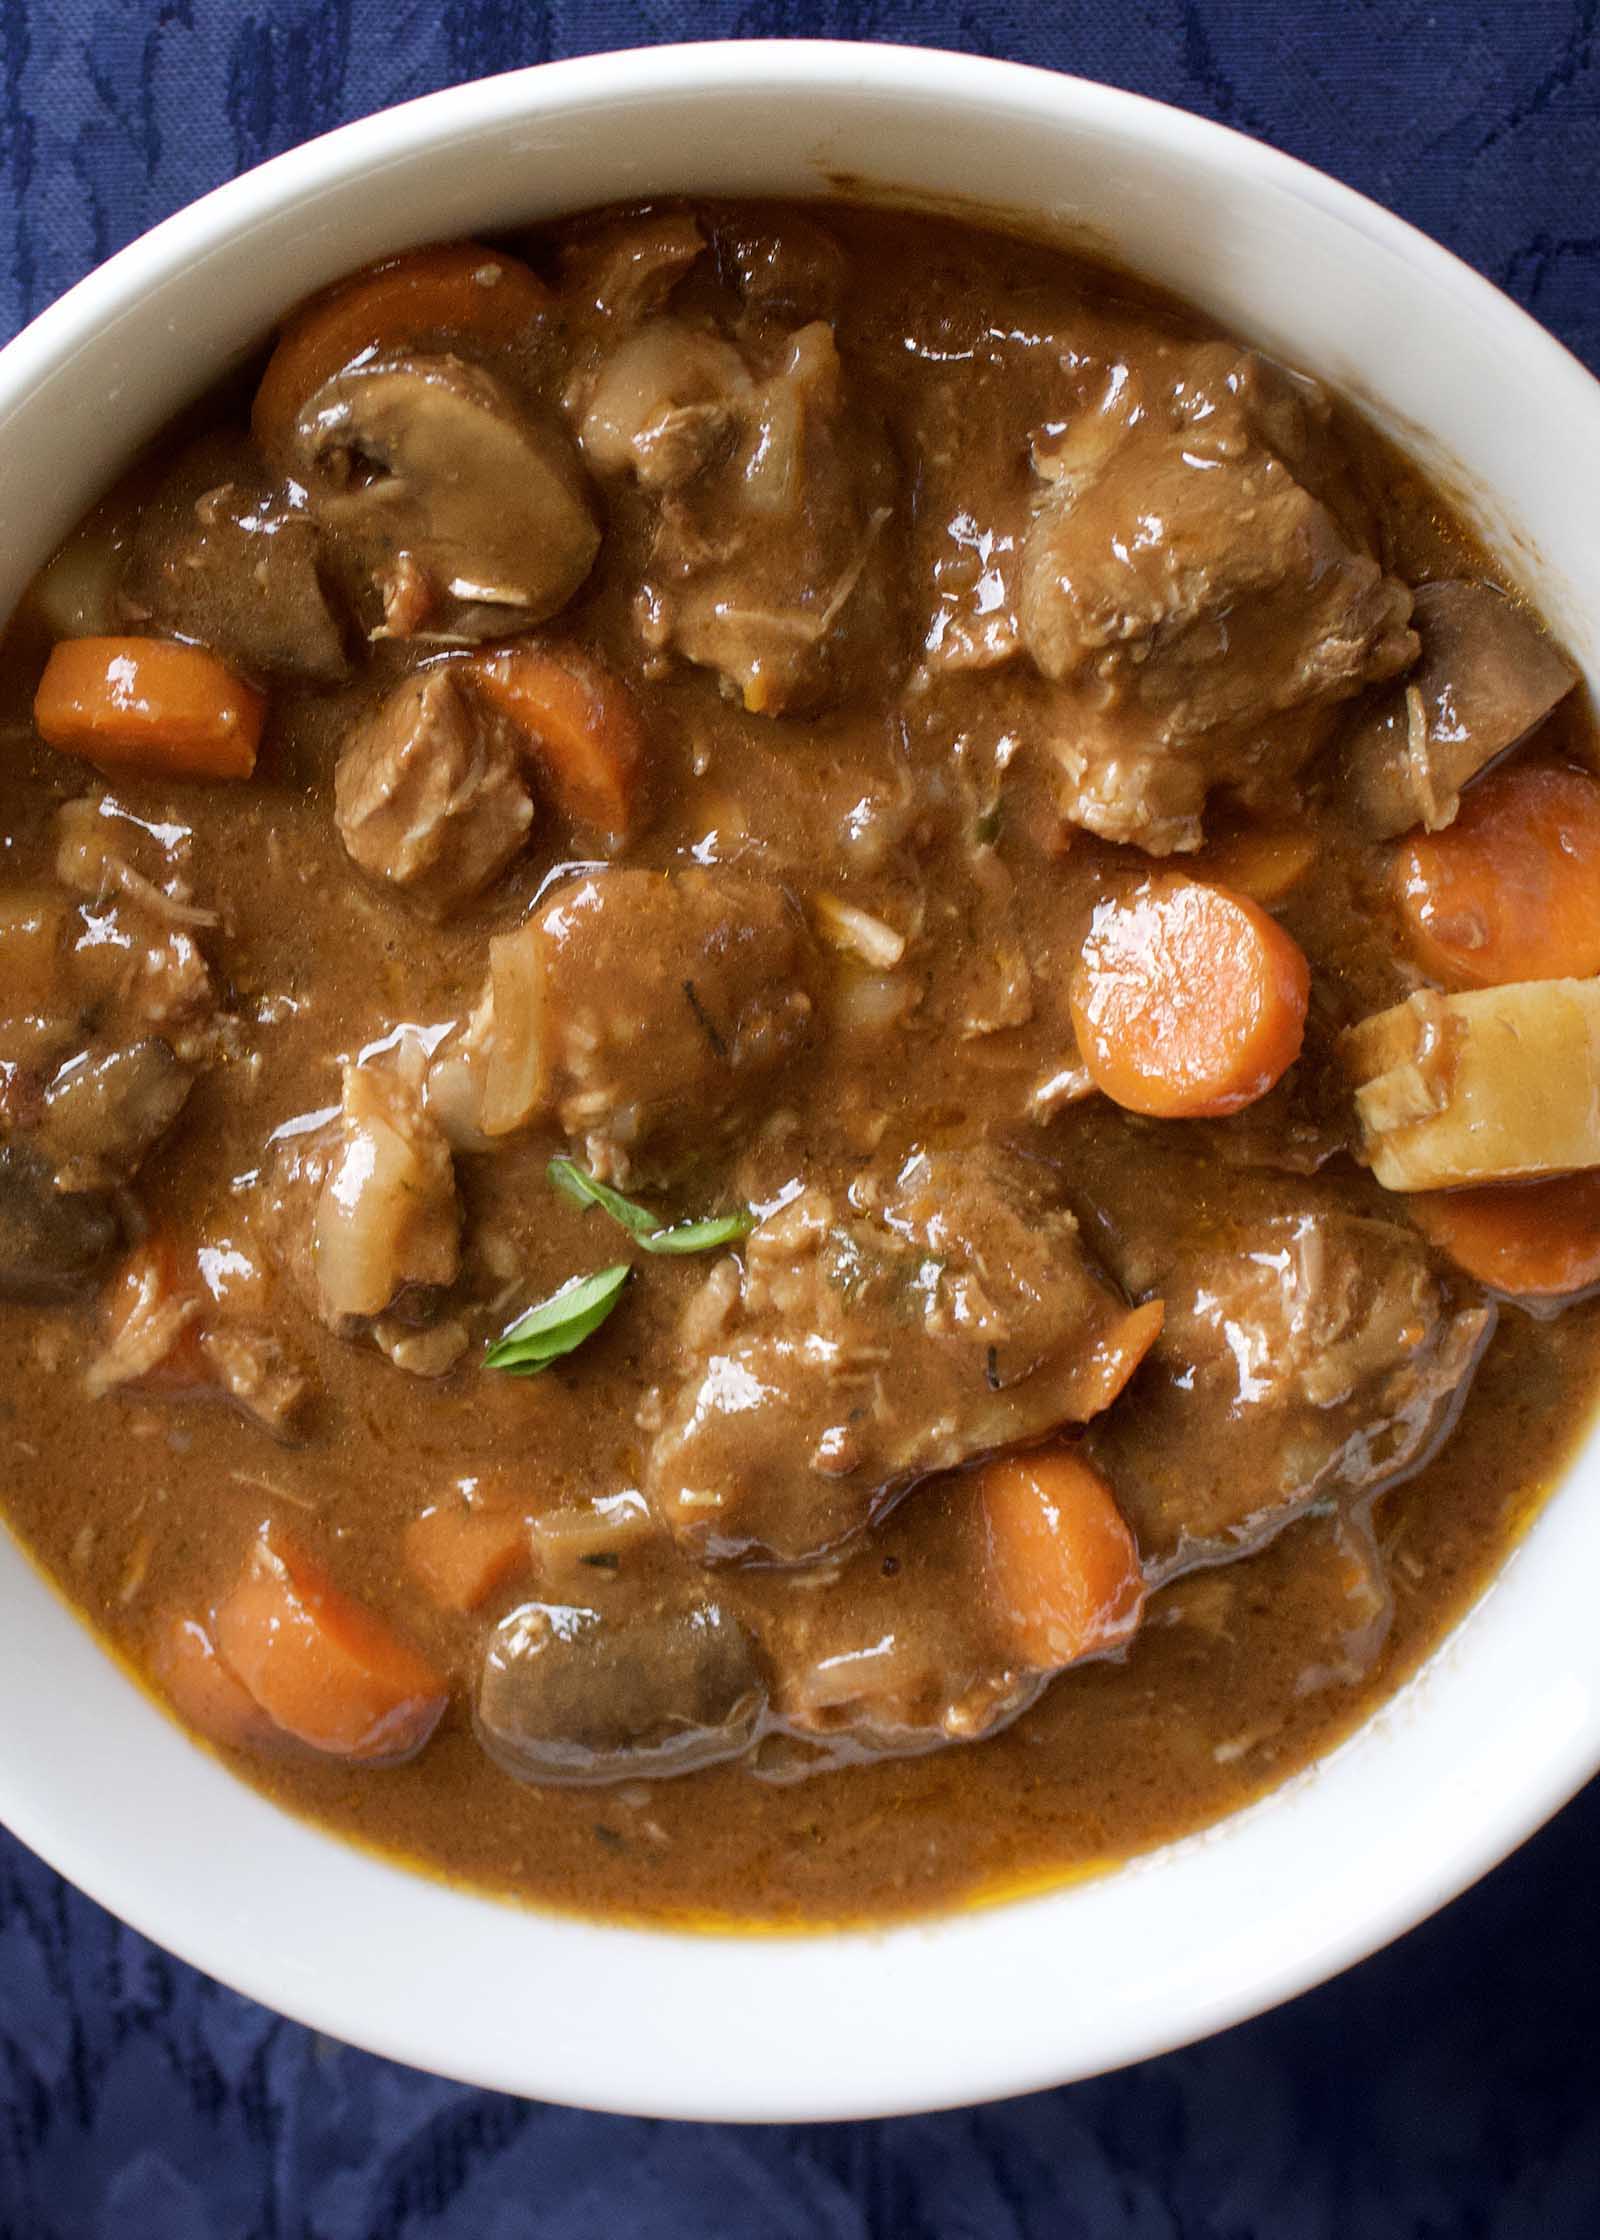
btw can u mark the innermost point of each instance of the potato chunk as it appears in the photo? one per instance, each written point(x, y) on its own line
point(1491, 1085)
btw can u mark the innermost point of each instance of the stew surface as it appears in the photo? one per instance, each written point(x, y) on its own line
point(799, 1065)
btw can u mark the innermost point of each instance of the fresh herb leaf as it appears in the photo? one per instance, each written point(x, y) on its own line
point(645, 1228)
point(559, 1324)
point(701, 1236)
point(583, 1189)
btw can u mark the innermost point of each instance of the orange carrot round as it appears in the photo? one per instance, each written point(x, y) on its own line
point(202, 1690)
point(458, 1556)
point(462, 289)
point(1188, 1001)
point(1511, 890)
point(1063, 1568)
point(322, 1667)
point(149, 706)
point(1532, 1240)
point(582, 725)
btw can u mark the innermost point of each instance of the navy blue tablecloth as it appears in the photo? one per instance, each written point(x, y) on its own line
point(1447, 2090)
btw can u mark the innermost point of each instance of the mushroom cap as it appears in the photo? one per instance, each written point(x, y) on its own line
point(435, 459)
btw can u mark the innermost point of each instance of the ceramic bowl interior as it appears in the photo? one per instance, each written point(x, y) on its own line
point(1504, 1722)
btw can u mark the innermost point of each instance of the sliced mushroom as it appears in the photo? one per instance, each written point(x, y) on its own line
point(50, 1244)
point(1487, 677)
point(569, 1696)
point(256, 1373)
point(431, 465)
point(105, 1111)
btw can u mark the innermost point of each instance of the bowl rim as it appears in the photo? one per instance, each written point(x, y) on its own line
point(1539, 1764)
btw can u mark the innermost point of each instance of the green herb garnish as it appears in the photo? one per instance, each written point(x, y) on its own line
point(701, 1236)
point(559, 1324)
point(647, 1229)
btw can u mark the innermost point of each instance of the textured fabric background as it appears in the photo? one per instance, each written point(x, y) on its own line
point(1449, 2089)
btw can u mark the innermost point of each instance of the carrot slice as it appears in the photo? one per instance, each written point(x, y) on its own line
point(1532, 1240)
point(1106, 1372)
point(1188, 1001)
point(202, 1690)
point(1063, 1568)
point(325, 1669)
point(458, 1556)
point(1263, 861)
point(582, 725)
point(147, 705)
point(1511, 890)
point(463, 289)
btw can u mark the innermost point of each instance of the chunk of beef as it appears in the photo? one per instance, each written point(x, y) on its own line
point(567, 1695)
point(1198, 605)
point(898, 1654)
point(649, 1010)
point(664, 404)
point(429, 794)
point(220, 557)
point(773, 484)
point(942, 1313)
point(467, 510)
point(51, 1243)
point(40, 1018)
point(625, 271)
point(786, 269)
point(152, 1312)
point(82, 1079)
point(362, 1211)
point(33, 927)
point(161, 1338)
point(132, 951)
point(1305, 1354)
point(150, 973)
point(1488, 676)
point(973, 560)
point(254, 1370)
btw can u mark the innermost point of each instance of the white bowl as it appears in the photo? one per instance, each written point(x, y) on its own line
point(1503, 1724)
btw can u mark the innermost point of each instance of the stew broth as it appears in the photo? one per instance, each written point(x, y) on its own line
point(858, 704)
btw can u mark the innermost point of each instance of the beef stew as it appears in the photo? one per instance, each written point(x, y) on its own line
point(798, 1060)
